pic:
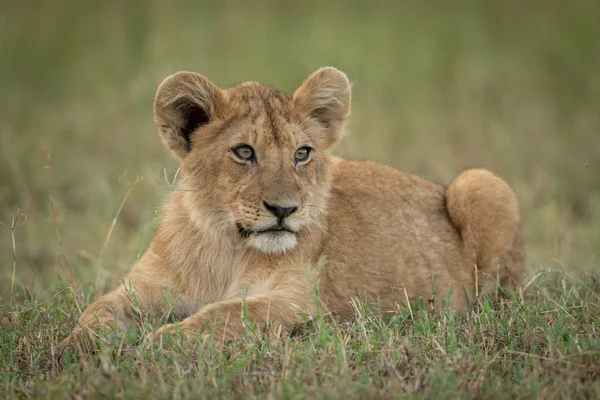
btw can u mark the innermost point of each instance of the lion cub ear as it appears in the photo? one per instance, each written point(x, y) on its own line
point(184, 102)
point(325, 97)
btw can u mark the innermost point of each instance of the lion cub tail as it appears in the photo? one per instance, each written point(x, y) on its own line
point(486, 212)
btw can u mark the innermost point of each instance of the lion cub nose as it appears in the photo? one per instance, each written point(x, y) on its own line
point(279, 211)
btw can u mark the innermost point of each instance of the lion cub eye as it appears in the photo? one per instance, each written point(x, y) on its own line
point(244, 152)
point(302, 154)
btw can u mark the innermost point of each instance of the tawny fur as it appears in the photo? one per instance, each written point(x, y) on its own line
point(360, 229)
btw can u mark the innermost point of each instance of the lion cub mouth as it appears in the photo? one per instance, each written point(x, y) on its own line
point(276, 239)
point(245, 232)
point(276, 229)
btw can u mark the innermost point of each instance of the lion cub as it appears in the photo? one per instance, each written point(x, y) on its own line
point(264, 214)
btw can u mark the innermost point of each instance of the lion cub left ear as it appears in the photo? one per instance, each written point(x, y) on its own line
point(184, 103)
point(325, 97)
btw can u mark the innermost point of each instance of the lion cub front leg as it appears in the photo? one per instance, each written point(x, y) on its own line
point(143, 290)
point(282, 302)
point(112, 310)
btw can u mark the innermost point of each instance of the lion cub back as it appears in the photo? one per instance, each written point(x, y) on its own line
point(390, 231)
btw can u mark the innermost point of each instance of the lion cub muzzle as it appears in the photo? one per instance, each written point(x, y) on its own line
point(276, 236)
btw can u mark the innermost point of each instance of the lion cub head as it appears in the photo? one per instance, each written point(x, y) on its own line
point(256, 161)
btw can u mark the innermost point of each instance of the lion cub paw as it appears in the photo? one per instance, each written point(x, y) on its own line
point(83, 337)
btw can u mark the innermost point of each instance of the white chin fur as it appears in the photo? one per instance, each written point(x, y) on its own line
point(274, 242)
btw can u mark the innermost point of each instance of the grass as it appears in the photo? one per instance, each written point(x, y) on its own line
point(542, 343)
point(438, 87)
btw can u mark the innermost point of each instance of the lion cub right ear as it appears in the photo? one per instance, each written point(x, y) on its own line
point(184, 102)
point(325, 97)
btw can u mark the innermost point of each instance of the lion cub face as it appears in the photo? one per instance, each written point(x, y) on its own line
point(256, 161)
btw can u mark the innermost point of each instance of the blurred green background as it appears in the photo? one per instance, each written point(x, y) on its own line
point(439, 86)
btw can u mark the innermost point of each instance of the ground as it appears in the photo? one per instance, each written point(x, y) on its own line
point(438, 87)
point(543, 343)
